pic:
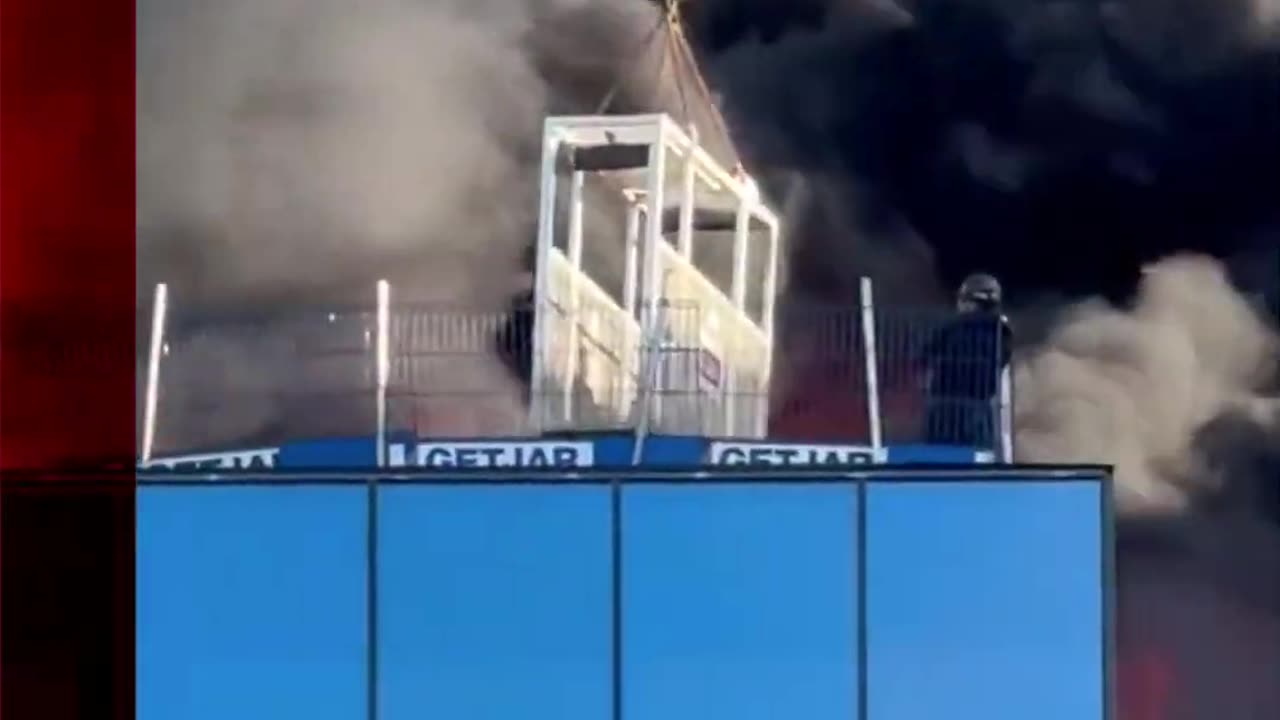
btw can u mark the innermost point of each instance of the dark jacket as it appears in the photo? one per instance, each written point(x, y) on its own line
point(965, 357)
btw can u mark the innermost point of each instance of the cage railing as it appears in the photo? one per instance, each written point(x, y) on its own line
point(850, 374)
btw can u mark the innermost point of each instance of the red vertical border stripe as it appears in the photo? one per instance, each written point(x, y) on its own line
point(67, 251)
point(67, 265)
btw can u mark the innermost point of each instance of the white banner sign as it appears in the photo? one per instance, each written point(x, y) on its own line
point(785, 454)
point(238, 460)
point(538, 454)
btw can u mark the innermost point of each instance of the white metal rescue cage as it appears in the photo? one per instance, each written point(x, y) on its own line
point(622, 352)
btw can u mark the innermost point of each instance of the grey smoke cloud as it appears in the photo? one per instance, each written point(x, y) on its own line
point(1133, 387)
point(288, 146)
point(292, 152)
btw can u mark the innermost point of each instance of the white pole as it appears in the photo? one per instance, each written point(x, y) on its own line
point(159, 311)
point(633, 347)
point(542, 271)
point(575, 309)
point(771, 282)
point(741, 228)
point(685, 237)
point(1006, 414)
point(869, 361)
point(651, 274)
point(655, 202)
point(770, 301)
point(738, 295)
point(384, 366)
point(632, 257)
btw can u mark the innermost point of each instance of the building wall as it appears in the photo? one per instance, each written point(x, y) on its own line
point(978, 597)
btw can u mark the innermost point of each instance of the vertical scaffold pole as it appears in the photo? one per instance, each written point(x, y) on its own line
point(652, 275)
point(542, 282)
point(741, 237)
point(568, 392)
point(1006, 415)
point(633, 347)
point(684, 241)
point(159, 311)
point(384, 366)
point(631, 269)
point(771, 282)
point(870, 363)
point(770, 301)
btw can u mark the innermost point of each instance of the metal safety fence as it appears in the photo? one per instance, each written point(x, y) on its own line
point(742, 593)
point(864, 374)
point(909, 375)
point(231, 382)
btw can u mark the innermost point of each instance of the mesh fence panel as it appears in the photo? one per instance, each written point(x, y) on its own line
point(462, 373)
point(452, 372)
point(242, 383)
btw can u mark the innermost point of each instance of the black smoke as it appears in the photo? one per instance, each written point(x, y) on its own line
point(1060, 145)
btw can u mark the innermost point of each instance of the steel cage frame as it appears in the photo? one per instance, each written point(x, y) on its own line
point(662, 136)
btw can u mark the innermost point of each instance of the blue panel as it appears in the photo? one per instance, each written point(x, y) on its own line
point(250, 603)
point(739, 603)
point(671, 451)
point(614, 450)
point(984, 601)
point(494, 603)
point(933, 454)
point(333, 453)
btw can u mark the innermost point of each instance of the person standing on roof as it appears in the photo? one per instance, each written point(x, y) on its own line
point(964, 361)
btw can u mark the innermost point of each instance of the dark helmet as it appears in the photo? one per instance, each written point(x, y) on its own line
point(980, 291)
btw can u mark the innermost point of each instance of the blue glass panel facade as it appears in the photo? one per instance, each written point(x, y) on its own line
point(982, 599)
point(988, 596)
point(251, 603)
point(494, 602)
point(739, 602)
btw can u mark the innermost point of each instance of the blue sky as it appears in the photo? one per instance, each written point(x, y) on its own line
point(739, 602)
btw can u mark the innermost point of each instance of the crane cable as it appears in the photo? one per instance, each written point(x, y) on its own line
point(639, 49)
point(682, 53)
point(672, 54)
point(679, 53)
